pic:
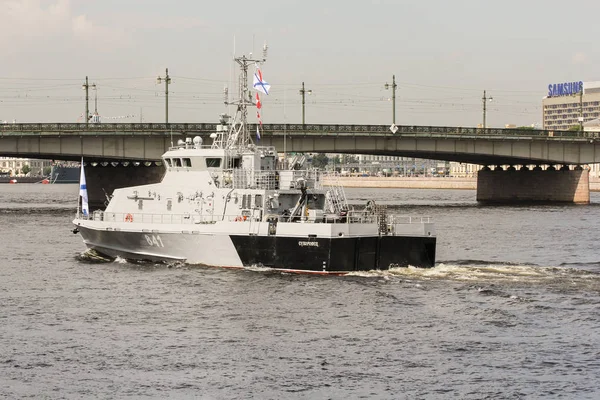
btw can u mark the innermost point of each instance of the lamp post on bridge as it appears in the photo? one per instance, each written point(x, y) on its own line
point(393, 86)
point(304, 91)
point(167, 80)
point(485, 100)
point(86, 86)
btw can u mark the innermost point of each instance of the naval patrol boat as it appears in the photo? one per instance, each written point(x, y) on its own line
point(233, 203)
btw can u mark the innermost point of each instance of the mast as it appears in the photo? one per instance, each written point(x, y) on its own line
point(239, 135)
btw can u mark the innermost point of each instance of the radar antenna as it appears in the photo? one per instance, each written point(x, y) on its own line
point(239, 135)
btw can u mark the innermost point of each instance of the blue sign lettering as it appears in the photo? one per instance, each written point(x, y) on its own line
point(565, 89)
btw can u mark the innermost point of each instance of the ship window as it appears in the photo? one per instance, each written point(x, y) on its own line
point(213, 162)
point(177, 162)
point(168, 161)
point(234, 163)
point(246, 201)
point(187, 162)
point(258, 201)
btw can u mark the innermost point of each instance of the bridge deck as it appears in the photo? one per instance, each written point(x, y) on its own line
point(278, 129)
point(143, 142)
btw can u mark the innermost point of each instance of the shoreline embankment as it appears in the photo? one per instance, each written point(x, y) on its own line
point(22, 179)
point(420, 182)
point(392, 182)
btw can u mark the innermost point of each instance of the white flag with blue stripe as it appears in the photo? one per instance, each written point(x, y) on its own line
point(85, 210)
point(259, 84)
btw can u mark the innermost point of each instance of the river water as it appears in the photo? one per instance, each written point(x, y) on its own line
point(511, 311)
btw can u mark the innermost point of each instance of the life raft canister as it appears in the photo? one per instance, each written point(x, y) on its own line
point(129, 218)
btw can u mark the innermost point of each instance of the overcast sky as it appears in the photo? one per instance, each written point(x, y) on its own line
point(444, 55)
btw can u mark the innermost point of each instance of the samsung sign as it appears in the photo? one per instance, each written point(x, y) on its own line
point(565, 89)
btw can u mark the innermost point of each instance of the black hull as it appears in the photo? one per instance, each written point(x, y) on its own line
point(336, 254)
point(61, 174)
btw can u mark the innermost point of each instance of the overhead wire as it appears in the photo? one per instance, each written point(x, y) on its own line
point(371, 96)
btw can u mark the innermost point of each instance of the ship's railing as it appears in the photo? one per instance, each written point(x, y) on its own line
point(363, 217)
point(408, 219)
point(190, 146)
point(351, 217)
point(294, 179)
point(336, 196)
point(187, 218)
point(250, 179)
point(270, 180)
point(272, 129)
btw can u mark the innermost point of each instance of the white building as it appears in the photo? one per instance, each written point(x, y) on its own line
point(14, 166)
point(570, 103)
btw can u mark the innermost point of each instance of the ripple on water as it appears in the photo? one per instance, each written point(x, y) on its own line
point(74, 326)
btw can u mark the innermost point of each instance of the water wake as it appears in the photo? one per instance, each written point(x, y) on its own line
point(489, 272)
point(92, 256)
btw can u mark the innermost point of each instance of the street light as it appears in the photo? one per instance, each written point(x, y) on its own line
point(167, 80)
point(485, 100)
point(95, 118)
point(86, 86)
point(303, 92)
point(393, 86)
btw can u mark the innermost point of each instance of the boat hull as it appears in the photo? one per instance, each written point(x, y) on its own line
point(343, 254)
point(64, 174)
point(324, 255)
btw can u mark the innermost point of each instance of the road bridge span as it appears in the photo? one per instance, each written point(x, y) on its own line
point(494, 147)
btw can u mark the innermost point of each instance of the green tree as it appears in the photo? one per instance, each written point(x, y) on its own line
point(26, 169)
point(526, 128)
point(47, 171)
point(336, 161)
point(575, 128)
point(320, 160)
point(349, 159)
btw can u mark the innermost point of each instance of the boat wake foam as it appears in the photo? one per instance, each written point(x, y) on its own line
point(92, 256)
point(259, 268)
point(488, 272)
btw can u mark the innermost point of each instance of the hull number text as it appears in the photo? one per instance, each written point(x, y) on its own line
point(154, 240)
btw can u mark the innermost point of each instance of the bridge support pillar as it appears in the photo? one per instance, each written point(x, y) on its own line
point(537, 185)
point(104, 179)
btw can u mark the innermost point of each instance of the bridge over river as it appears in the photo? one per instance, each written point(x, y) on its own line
point(498, 148)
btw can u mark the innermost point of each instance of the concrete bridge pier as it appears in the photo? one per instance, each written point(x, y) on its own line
point(103, 178)
point(510, 186)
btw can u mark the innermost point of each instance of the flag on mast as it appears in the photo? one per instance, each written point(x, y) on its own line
point(259, 84)
point(258, 107)
point(85, 210)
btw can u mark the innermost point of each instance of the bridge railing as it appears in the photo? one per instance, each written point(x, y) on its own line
point(114, 127)
point(270, 129)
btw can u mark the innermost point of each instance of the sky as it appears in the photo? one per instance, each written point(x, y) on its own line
point(444, 54)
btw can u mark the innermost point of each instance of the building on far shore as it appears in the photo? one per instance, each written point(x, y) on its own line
point(570, 104)
point(592, 127)
point(14, 166)
point(566, 105)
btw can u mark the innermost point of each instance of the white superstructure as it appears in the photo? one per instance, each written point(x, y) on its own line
point(230, 204)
